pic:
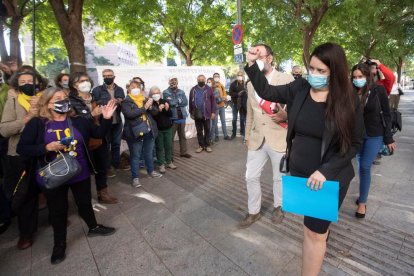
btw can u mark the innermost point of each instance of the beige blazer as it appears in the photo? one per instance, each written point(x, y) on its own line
point(12, 122)
point(259, 126)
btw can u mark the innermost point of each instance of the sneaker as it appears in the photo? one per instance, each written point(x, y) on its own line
point(227, 137)
point(208, 149)
point(135, 183)
point(233, 136)
point(249, 220)
point(155, 174)
point(101, 230)
point(216, 139)
point(58, 254)
point(277, 215)
point(162, 169)
point(171, 166)
point(111, 172)
point(199, 149)
point(186, 155)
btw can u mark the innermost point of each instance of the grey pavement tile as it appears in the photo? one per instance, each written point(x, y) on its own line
point(396, 218)
point(253, 253)
point(132, 258)
point(125, 232)
point(14, 261)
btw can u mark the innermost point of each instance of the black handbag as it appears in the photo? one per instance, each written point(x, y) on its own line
point(284, 162)
point(63, 168)
point(198, 114)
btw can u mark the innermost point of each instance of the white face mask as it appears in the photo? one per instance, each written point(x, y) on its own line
point(156, 97)
point(209, 84)
point(135, 91)
point(217, 79)
point(239, 78)
point(84, 87)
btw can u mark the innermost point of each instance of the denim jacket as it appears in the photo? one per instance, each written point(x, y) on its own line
point(176, 100)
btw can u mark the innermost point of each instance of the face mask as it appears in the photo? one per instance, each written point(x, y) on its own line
point(201, 83)
point(84, 86)
point(359, 82)
point(216, 79)
point(108, 81)
point(156, 97)
point(318, 81)
point(28, 89)
point(239, 78)
point(65, 84)
point(296, 76)
point(209, 84)
point(135, 91)
point(62, 106)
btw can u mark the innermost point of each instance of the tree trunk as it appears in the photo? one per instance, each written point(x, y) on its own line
point(399, 69)
point(309, 31)
point(188, 60)
point(15, 52)
point(3, 50)
point(69, 18)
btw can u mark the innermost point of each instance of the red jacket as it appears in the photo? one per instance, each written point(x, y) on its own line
point(389, 78)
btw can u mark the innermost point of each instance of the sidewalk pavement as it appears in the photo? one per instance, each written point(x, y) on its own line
point(185, 223)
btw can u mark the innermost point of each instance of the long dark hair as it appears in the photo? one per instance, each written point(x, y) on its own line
point(366, 71)
point(340, 110)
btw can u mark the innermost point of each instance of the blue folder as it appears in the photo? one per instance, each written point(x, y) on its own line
point(300, 199)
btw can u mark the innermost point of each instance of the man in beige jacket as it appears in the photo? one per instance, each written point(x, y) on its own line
point(265, 139)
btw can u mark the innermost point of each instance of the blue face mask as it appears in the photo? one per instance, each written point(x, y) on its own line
point(359, 82)
point(318, 81)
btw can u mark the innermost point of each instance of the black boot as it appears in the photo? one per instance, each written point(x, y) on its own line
point(58, 254)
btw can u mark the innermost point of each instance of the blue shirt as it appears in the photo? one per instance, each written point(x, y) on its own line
point(199, 98)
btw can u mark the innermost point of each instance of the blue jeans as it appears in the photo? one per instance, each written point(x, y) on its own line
point(114, 141)
point(365, 157)
point(214, 123)
point(144, 146)
point(235, 111)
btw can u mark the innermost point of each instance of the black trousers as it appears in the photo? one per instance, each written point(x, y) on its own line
point(27, 214)
point(203, 132)
point(57, 201)
point(101, 164)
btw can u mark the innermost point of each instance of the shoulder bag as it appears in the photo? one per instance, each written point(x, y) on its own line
point(63, 168)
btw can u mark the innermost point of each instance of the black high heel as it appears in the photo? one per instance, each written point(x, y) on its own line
point(360, 215)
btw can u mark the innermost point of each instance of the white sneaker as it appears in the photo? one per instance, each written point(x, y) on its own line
point(155, 174)
point(136, 183)
point(171, 166)
point(162, 169)
point(199, 149)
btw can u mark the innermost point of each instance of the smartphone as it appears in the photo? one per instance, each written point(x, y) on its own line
point(66, 141)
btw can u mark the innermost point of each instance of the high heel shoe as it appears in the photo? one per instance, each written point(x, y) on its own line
point(360, 215)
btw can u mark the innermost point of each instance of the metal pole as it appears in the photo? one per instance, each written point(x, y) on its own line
point(239, 21)
point(33, 34)
point(239, 18)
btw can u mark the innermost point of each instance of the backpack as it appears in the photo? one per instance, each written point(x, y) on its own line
point(396, 121)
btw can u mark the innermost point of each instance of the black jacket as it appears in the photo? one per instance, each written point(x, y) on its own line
point(101, 96)
point(163, 118)
point(79, 106)
point(374, 122)
point(335, 166)
point(133, 116)
point(32, 144)
point(235, 88)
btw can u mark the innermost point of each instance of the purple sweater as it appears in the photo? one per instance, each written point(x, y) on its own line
point(209, 101)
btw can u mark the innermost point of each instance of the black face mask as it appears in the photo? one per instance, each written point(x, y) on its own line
point(28, 89)
point(296, 76)
point(201, 83)
point(62, 106)
point(108, 81)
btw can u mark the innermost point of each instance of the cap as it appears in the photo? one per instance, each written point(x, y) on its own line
point(172, 77)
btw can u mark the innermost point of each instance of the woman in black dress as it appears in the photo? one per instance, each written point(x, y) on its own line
point(324, 133)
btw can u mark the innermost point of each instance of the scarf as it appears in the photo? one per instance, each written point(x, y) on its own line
point(24, 100)
point(139, 101)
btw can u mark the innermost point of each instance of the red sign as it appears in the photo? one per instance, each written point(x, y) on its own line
point(237, 35)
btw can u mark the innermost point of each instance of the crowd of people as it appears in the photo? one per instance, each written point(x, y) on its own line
point(320, 123)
